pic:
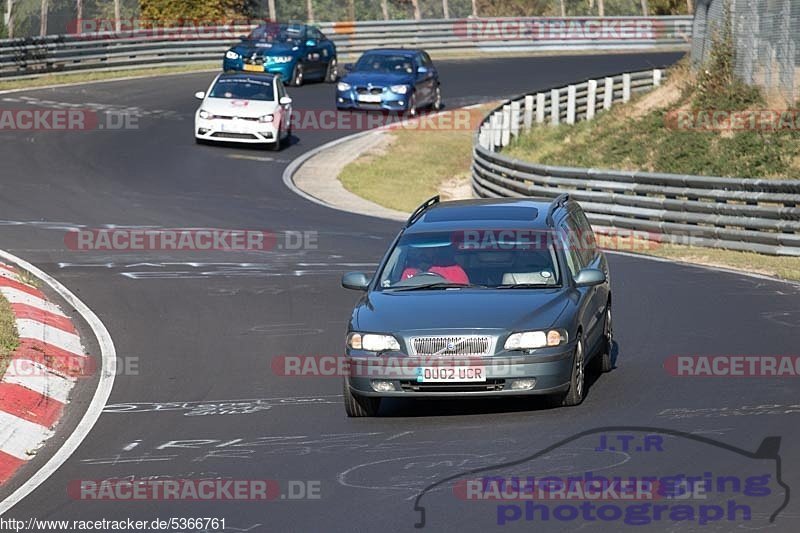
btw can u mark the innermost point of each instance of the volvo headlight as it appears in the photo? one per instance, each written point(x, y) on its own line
point(230, 54)
point(281, 59)
point(343, 86)
point(372, 342)
point(266, 118)
point(399, 89)
point(205, 114)
point(530, 340)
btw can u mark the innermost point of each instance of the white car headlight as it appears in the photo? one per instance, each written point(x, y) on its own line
point(230, 54)
point(205, 114)
point(266, 118)
point(281, 59)
point(372, 342)
point(530, 340)
point(343, 86)
point(399, 89)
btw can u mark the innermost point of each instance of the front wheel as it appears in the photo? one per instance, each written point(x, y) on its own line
point(278, 144)
point(437, 99)
point(412, 105)
point(333, 71)
point(606, 364)
point(297, 76)
point(359, 406)
point(577, 382)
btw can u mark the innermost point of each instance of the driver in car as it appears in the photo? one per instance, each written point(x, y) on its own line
point(439, 261)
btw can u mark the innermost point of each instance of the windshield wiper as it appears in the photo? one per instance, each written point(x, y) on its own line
point(439, 285)
point(525, 286)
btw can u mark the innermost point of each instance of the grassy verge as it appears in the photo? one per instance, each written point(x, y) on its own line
point(78, 77)
point(410, 166)
point(8, 334)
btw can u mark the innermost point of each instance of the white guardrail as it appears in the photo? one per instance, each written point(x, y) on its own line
point(757, 215)
point(96, 50)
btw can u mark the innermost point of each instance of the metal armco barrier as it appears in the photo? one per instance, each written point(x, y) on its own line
point(65, 53)
point(757, 215)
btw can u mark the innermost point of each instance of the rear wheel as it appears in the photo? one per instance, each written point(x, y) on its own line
point(333, 71)
point(297, 76)
point(359, 406)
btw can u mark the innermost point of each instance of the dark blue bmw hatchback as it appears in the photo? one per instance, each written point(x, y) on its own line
point(476, 298)
point(397, 80)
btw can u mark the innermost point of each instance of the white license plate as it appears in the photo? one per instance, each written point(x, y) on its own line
point(450, 374)
point(369, 98)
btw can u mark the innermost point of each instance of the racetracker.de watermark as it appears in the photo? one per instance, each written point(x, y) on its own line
point(169, 29)
point(342, 120)
point(714, 120)
point(570, 29)
point(188, 240)
point(71, 119)
point(733, 366)
point(216, 489)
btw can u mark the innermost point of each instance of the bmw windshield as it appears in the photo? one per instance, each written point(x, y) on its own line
point(485, 259)
point(385, 63)
point(278, 33)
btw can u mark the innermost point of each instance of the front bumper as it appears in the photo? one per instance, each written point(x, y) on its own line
point(389, 101)
point(282, 69)
point(241, 131)
point(551, 371)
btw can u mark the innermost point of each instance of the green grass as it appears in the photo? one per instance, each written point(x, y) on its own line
point(8, 334)
point(413, 167)
point(78, 77)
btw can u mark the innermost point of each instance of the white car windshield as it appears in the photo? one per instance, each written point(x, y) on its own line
point(243, 89)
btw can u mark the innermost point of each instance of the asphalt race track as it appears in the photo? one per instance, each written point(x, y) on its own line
point(203, 329)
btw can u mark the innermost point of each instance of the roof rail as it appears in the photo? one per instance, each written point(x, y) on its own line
point(421, 209)
point(559, 201)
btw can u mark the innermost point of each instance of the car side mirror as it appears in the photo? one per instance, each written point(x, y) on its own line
point(357, 281)
point(311, 42)
point(200, 95)
point(589, 276)
point(285, 100)
point(348, 66)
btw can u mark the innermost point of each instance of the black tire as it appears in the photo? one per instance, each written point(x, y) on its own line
point(359, 406)
point(606, 363)
point(278, 143)
point(297, 76)
point(412, 105)
point(332, 73)
point(437, 100)
point(577, 382)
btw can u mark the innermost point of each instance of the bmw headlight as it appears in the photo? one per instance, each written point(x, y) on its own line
point(372, 342)
point(399, 89)
point(530, 340)
point(266, 118)
point(230, 54)
point(281, 59)
point(205, 114)
point(343, 86)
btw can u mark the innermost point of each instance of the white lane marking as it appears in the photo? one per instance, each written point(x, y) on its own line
point(33, 329)
point(41, 380)
point(16, 296)
point(108, 356)
point(19, 437)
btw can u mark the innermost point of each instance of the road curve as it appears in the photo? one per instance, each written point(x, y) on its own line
point(203, 328)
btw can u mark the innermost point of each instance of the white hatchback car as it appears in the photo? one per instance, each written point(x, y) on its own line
point(244, 107)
